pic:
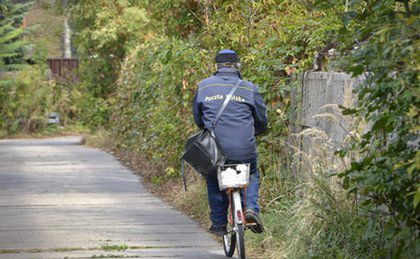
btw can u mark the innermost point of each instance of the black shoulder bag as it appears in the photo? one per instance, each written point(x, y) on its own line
point(202, 152)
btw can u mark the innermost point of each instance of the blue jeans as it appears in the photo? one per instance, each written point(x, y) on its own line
point(219, 201)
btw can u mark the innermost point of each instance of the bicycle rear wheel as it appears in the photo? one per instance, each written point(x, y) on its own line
point(229, 242)
point(238, 224)
point(240, 242)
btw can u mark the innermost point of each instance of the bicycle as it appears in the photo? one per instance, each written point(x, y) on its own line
point(233, 179)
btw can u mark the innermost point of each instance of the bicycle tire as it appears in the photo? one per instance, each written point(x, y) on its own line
point(229, 243)
point(240, 239)
point(229, 240)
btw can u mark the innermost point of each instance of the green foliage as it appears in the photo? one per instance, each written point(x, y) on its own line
point(45, 32)
point(153, 106)
point(151, 114)
point(163, 71)
point(107, 247)
point(150, 110)
point(142, 60)
point(104, 32)
point(11, 43)
point(312, 217)
point(24, 99)
point(386, 174)
point(26, 95)
point(11, 52)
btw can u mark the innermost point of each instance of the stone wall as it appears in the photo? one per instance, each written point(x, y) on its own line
point(322, 93)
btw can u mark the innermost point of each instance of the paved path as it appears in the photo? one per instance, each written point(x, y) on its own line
point(60, 199)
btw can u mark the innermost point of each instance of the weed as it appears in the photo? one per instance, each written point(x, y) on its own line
point(108, 256)
point(107, 247)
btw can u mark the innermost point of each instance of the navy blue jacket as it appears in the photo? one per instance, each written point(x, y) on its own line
point(244, 117)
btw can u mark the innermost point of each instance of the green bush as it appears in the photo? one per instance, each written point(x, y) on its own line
point(379, 40)
point(154, 107)
point(26, 95)
point(25, 100)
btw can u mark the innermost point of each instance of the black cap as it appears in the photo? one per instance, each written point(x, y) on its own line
point(227, 55)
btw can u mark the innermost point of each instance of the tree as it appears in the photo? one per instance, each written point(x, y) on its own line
point(11, 42)
point(104, 30)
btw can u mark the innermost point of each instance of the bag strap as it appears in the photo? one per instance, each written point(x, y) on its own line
point(225, 103)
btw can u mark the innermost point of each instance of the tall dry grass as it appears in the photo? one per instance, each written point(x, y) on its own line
point(312, 216)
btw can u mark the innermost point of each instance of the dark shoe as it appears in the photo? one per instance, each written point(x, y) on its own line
point(218, 230)
point(252, 217)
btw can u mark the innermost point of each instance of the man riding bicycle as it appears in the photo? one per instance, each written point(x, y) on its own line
point(244, 117)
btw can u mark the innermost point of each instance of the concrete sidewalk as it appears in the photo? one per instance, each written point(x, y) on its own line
point(60, 199)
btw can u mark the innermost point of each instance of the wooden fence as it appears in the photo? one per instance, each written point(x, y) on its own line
point(63, 68)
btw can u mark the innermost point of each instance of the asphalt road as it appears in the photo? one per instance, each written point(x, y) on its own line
point(61, 199)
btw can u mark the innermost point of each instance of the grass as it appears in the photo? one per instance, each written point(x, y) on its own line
point(107, 247)
point(109, 256)
point(42, 250)
point(50, 131)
